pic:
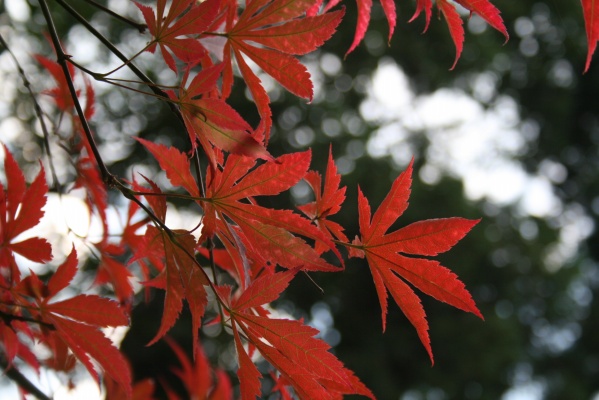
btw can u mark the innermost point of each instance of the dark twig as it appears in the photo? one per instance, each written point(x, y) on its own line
point(61, 58)
point(11, 317)
point(38, 112)
point(16, 376)
point(143, 77)
point(140, 27)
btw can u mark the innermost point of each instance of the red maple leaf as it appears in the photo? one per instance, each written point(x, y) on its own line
point(184, 17)
point(172, 253)
point(483, 8)
point(364, 7)
point(590, 9)
point(60, 93)
point(77, 321)
point(328, 201)
point(390, 265)
point(199, 378)
point(268, 233)
point(21, 210)
point(455, 25)
point(282, 31)
point(213, 122)
point(181, 278)
point(304, 361)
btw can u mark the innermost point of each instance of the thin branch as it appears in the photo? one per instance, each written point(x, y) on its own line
point(11, 317)
point(16, 376)
point(140, 27)
point(121, 56)
point(38, 112)
point(61, 59)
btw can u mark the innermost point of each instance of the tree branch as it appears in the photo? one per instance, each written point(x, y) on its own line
point(61, 58)
point(16, 376)
point(143, 77)
point(38, 112)
point(140, 27)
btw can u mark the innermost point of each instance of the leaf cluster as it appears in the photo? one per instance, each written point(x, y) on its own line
point(243, 254)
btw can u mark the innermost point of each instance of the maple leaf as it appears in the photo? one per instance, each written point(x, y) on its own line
point(328, 201)
point(364, 7)
point(270, 231)
point(288, 345)
point(267, 231)
point(181, 278)
point(391, 268)
point(213, 122)
point(483, 8)
point(185, 17)
point(21, 210)
point(60, 93)
point(76, 321)
point(590, 9)
point(275, 24)
point(456, 28)
point(89, 178)
point(277, 28)
point(198, 376)
point(142, 390)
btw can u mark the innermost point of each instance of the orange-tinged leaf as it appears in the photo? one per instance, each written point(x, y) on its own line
point(590, 9)
point(265, 230)
point(262, 13)
point(327, 202)
point(258, 92)
point(390, 270)
point(270, 178)
point(285, 30)
point(205, 81)
point(279, 246)
point(285, 69)
point(427, 238)
point(216, 123)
